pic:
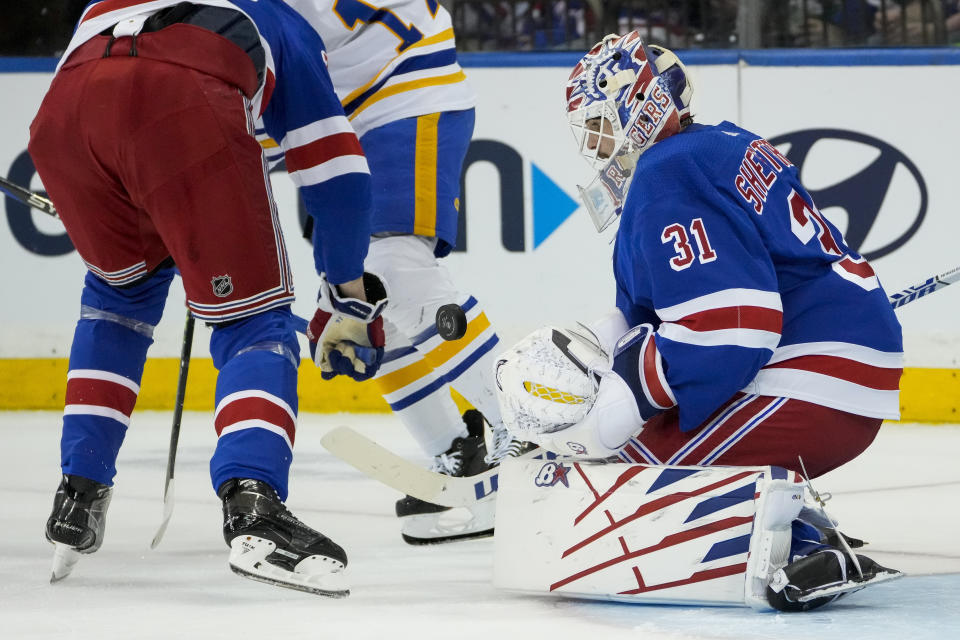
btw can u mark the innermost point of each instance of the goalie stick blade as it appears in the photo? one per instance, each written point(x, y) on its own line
point(382, 465)
point(167, 514)
point(64, 560)
point(248, 559)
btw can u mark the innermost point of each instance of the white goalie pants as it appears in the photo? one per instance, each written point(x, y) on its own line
point(419, 367)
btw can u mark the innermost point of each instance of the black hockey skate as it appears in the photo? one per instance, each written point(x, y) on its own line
point(269, 544)
point(821, 578)
point(77, 523)
point(427, 523)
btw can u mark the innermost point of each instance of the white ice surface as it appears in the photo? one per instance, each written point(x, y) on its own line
point(903, 495)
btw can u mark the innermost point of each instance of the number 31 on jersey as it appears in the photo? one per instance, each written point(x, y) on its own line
point(684, 257)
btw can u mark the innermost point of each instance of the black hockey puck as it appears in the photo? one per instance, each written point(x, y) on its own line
point(451, 322)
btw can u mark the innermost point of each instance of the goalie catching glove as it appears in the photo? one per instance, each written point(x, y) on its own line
point(346, 334)
point(559, 389)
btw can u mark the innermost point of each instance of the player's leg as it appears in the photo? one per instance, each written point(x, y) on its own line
point(103, 381)
point(121, 303)
point(415, 165)
point(412, 381)
point(218, 217)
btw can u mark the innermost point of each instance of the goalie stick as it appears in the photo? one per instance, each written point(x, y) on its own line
point(383, 465)
point(927, 286)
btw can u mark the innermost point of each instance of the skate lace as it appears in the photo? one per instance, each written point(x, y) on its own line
point(504, 446)
point(449, 463)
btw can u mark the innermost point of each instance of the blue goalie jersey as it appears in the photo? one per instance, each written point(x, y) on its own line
point(749, 286)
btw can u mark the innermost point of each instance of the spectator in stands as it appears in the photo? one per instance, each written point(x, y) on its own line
point(916, 22)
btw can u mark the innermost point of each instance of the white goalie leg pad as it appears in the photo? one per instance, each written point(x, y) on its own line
point(778, 505)
point(639, 533)
point(314, 574)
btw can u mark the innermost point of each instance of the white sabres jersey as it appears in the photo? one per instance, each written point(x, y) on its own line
point(389, 59)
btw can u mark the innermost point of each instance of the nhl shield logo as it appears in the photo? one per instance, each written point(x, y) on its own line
point(222, 286)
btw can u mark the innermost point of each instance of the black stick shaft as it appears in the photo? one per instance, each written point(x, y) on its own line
point(181, 393)
point(27, 197)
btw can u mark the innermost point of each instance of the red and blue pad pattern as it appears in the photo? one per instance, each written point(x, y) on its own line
point(645, 534)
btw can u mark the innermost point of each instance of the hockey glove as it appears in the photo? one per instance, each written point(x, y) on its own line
point(346, 334)
point(559, 389)
point(636, 360)
point(546, 386)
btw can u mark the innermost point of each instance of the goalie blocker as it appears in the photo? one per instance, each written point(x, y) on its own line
point(663, 535)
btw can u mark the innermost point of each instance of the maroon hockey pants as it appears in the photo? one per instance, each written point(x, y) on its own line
point(754, 430)
point(153, 155)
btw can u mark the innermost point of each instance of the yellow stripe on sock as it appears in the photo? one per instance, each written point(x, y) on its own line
point(396, 380)
point(448, 349)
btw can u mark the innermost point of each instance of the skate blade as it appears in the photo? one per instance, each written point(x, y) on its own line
point(457, 523)
point(476, 535)
point(64, 559)
point(850, 586)
point(248, 559)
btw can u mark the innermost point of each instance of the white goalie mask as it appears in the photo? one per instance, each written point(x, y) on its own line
point(621, 99)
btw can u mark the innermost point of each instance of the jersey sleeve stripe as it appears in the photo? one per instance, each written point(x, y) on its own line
point(749, 338)
point(316, 130)
point(760, 318)
point(720, 300)
point(323, 150)
point(339, 166)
